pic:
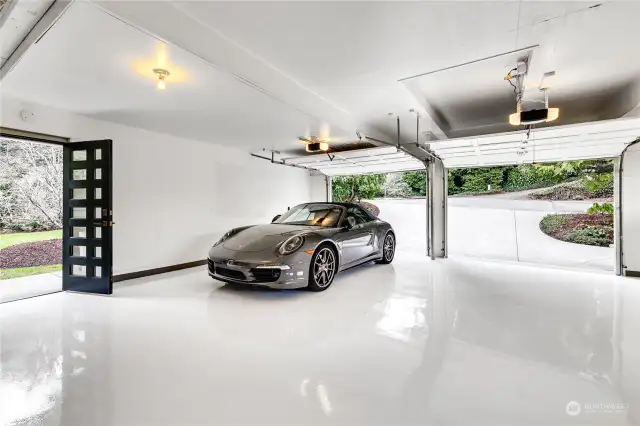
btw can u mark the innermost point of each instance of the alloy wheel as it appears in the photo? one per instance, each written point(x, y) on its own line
point(389, 247)
point(324, 267)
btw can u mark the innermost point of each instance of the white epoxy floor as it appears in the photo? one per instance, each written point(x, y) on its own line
point(450, 342)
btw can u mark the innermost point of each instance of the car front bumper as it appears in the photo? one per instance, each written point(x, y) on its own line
point(258, 273)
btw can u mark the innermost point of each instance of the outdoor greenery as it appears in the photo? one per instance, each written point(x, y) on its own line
point(553, 222)
point(7, 274)
point(591, 235)
point(565, 180)
point(31, 201)
point(606, 208)
point(594, 228)
point(30, 186)
point(417, 182)
point(355, 188)
point(7, 240)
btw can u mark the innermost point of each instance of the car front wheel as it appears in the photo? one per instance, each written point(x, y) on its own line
point(323, 268)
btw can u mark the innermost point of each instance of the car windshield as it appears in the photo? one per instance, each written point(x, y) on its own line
point(325, 215)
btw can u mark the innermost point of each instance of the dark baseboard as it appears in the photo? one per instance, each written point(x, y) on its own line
point(628, 273)
point(156, 271)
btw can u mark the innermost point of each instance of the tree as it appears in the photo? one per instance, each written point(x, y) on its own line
point(396, 187)
point(417, 181)
point(354, 188)
point(30, 185)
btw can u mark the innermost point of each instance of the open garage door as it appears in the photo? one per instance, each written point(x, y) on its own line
point(499, 229)
point(390, 159)
point(605, 139)
point(359, 161)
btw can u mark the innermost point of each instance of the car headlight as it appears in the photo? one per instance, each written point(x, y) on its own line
point(291, 245)
point(225, 237)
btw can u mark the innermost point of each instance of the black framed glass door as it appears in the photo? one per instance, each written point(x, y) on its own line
point(87, 217)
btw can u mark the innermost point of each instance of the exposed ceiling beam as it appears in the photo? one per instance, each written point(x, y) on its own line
point(22, 23)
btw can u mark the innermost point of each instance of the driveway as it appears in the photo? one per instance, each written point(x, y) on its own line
point(496, 227)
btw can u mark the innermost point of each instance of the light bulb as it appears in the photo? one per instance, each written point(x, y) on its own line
point(161, 85)
point(553, 114)
point(514, 119)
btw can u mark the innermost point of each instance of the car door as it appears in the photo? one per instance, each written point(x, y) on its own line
point(357, 242)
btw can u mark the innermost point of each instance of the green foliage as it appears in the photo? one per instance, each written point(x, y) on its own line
point(529, 176)
point(604, 208)
point(7, 240)
point(597, 183)
point(552, 223)
point(7, 274)
point(591, 235)
point(417, 182)
point(475, 181)
point(355, 188)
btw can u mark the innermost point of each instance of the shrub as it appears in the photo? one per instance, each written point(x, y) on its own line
point(396, 187)
point(529, 176)
point(604, 208)
point(476, 180)
point(417, 182)
point(591, 235)
point(552, 223)
point(598, 183)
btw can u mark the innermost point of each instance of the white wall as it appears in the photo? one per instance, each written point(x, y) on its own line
point(631, 209)
point(318, 188)
point(172, 197)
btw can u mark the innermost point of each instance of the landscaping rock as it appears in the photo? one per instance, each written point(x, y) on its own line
point(38, 253)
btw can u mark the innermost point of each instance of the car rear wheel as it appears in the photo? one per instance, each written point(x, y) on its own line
point(388, 249)
point(323, 268)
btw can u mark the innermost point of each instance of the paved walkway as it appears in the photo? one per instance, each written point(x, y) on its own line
point(34, 285)
point(497, 228)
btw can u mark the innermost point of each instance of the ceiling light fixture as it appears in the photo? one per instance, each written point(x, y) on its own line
point(532, 116)
point(162, 74)
point(317, 146)
point(314, 144)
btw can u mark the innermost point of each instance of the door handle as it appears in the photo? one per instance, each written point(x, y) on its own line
point(104, 223)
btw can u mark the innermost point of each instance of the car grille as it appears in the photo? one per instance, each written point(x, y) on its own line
point(229, 273)
point(265, 275)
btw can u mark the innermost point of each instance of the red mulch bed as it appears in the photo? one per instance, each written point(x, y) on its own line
point(37, 253)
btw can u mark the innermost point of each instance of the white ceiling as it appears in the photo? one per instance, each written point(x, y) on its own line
point(93, 64)
point(260, 74)
point(352, 54)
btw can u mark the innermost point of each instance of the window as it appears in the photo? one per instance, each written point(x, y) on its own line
point(325, 215)
point(359, 215)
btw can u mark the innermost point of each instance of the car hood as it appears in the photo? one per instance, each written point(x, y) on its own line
point(263, 237)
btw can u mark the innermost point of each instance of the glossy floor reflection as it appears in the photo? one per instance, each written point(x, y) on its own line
point(416, 342)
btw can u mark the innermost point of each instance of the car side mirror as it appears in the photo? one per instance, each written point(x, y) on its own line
point(275, 218)
point(351, 222)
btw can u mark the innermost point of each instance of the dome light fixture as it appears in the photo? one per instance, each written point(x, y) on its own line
point(161, 74)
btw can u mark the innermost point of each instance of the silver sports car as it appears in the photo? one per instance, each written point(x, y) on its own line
point(305, 247)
